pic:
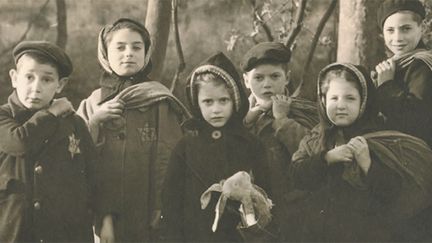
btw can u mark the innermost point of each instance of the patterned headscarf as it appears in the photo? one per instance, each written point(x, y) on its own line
point(128, 24)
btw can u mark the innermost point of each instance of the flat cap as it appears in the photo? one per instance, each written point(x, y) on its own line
point(389, 7)
point(265, 52)
point(47, 49)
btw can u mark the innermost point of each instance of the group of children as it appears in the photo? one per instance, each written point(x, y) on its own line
point(132, 162)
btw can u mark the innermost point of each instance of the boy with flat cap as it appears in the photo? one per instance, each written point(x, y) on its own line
point(46, 153)
point(276, 120)
point(404, 79)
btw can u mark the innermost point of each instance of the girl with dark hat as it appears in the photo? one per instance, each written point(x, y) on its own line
point(216, 146)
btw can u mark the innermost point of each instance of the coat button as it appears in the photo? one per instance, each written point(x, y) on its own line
point(37, 205)
point(38, 170)
point(121, 136)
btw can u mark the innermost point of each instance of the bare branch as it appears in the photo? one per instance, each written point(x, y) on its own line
point(181, 66)
point(315, 39)
point(61, 24)
point(260, 20)
point(29, 25)
point(298, 23)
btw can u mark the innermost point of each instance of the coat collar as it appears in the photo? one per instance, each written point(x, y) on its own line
point(19, 111)
point(112, 84)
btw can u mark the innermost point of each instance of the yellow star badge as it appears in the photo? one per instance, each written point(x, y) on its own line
point(74, 145)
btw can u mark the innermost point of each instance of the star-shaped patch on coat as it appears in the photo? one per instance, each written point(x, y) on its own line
point(74, 145)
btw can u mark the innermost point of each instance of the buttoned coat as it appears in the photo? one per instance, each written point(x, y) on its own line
point(46, 170)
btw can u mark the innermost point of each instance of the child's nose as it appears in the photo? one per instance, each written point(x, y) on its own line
point(36, 85)
point(267, 83)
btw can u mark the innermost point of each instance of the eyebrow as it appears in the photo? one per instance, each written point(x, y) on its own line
point(134, 43)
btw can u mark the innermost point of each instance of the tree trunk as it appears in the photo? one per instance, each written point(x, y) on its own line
point(61, 24)
point(158, 24)
point(358, 38)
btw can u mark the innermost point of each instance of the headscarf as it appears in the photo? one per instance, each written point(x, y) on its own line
point(367, 120)
point(135, 26)
point(222, 67)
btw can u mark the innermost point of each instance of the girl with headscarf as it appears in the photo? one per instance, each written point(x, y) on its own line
point(135, 123)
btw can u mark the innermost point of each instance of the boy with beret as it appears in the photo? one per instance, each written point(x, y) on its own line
point(404, 79)
point(271, 118)
point(46, 153)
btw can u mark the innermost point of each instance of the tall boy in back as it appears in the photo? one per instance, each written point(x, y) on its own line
point(46, 153)
point(404, 79)
point(265, 68)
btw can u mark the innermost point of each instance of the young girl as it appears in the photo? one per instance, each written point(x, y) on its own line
point(135, 124)
point(216, 147)
point(360, 177)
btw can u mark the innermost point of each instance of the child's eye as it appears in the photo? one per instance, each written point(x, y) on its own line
point(389, 30)
point(29, 77)
point(137, 48)
point(121, 48)
point(406, 28)
point(47, 79)
point(275, 76)
point(258, 78)
point(207, 102)
point(225, 100)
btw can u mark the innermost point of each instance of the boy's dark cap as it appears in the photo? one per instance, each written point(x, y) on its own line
point(265, 51)
point(47, 49)
point(389, 7)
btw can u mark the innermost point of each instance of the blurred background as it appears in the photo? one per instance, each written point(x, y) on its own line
point(204, 27)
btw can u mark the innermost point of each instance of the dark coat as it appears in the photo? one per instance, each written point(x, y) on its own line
point(338, 210)
point(406, 100)
point(134, 152)
point(46, 170)
point(205, 156)
point(198, 161)
point(281, 138)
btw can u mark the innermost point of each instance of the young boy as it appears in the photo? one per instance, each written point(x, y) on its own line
point(265, 69)
point(46, 153)
point(404, 80)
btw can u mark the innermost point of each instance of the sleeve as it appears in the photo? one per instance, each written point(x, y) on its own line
point(169, 133)
point(289, 132)
point(172, 195)
point(407, 103)
point(86, 110)
point(385, 183)
point(308, 169)
point(19, 139)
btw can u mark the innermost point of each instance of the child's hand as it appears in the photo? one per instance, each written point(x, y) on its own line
point(61, 107)
point(360, 149)
point(107, 230)
point(342, 153)
point(107, 111)
point(264, 105)
point(386, 71)
point(281, 106)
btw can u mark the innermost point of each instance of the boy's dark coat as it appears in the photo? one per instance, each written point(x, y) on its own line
point(44, 192)
point(406, 101)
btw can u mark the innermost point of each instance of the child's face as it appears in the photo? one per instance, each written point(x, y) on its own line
point(342, 102)
point(265, 81)
point(215, 104)
point(36, 83)
point(126, 52)
point(401, 32)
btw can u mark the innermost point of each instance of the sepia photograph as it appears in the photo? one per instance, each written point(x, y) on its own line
point(215, 121)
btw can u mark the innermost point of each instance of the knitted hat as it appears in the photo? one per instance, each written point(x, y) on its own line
point(265, 52)
point(54, 53)
point(389, 7)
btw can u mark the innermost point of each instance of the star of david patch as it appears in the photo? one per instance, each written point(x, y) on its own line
point(74, 145)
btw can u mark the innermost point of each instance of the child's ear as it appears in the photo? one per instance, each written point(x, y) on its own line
point(246, 80)
point(62, 84)
point(13, 76)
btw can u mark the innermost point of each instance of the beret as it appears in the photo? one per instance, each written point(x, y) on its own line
point(265, 51)
point(389, 7)
point(48, 50)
